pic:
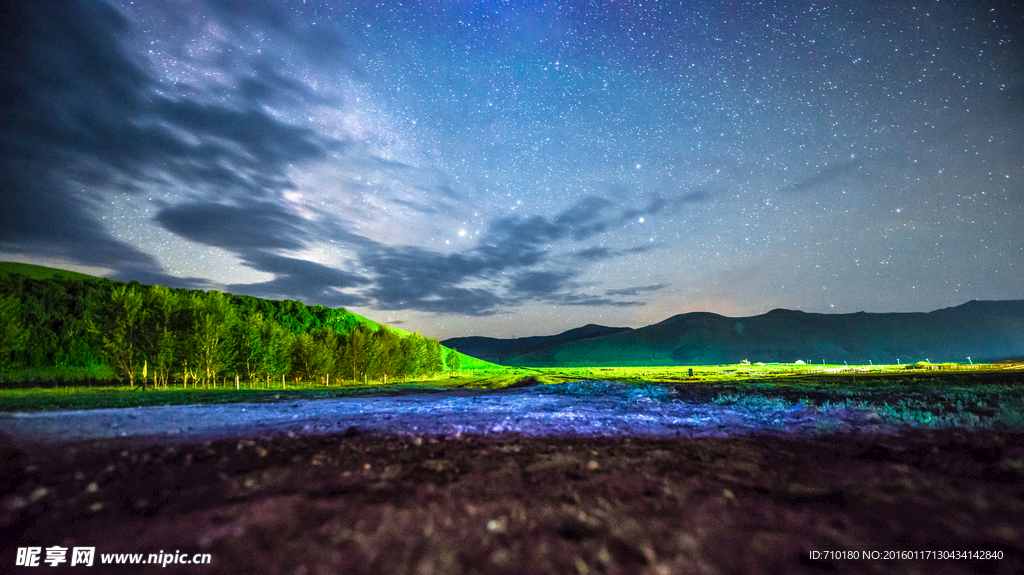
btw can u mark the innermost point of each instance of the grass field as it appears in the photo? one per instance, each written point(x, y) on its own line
point(919, 393)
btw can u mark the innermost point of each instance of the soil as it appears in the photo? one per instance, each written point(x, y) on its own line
point(357, 502)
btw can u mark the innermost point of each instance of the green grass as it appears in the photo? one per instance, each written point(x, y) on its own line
point(40, 272)
point(59, 397)
point(922, 396)
point(71, 398)
point(58, 376)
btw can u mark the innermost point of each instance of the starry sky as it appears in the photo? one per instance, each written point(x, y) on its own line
point(522, 168)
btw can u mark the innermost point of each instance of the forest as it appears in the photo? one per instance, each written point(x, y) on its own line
point(98, 328)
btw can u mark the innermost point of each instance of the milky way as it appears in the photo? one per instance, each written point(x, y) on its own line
point(521, 168)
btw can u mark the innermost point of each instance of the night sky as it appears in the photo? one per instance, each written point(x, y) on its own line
point(522, 168)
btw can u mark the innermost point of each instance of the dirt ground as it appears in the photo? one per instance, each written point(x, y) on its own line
point(365, 503)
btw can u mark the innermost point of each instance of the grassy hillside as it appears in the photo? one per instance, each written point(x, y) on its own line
point(60, 325)
point(40, 272)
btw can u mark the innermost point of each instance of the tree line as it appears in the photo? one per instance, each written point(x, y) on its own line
point(192, 337)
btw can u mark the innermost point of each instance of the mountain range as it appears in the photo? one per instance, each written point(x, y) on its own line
point(979, 330)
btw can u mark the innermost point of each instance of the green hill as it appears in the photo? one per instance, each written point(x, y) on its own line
point(60, 324)
point(40, 272)
point(982, 330)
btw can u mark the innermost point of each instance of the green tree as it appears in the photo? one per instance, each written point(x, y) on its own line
point(167, 326)
point(251, 346)
point(313, 355)
point(356, 357)
point(276, 360)
point(212, 327)
point(432, 364)
point(121, 330)
point(13, 335)
point(453, 361)
point(384, 354)
point(412, 354)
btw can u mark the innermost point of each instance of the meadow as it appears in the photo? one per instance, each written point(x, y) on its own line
point(968, 396)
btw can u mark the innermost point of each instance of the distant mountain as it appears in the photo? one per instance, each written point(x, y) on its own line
point(981, 330)
point(499, 350)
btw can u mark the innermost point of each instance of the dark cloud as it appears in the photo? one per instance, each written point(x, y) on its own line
point(587, 217)
point(593, 254)
point(242, 152)
point(81, 119)
point(254, 225)
point(301, 279)
point(513, 262)
point(253, 231)
point(514, 259)
point(518, 241)
point(63, 75)
point(635, 291)
point(670, 204)
point(413, 278)
point(592, 301)
point(826, 176)
point(533, 284)
point(268, 86)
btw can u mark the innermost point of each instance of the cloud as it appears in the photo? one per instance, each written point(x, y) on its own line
point(517, 259)
point(253, 225)
point(301, 279)
point(636, 250)
point(826, 176)
point(586, 218)
point(533, 284)
point(63, 75)
point(672, 203)
point(85, 119)
point(407, 277)
point(635, 291)
point(592, 301)
point(593, 254)
point(82, 119)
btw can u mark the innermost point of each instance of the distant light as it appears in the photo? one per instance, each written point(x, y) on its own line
point(641, 220)
point(462, 233)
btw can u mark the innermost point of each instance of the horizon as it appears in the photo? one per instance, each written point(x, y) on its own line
point(542, 335)
point(496, 170)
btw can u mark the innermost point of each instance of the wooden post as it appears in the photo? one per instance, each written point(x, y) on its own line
point(328, 380)
point(282, 382)
point(236, 382)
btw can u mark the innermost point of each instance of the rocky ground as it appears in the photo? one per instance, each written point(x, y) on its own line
point(369, 503)
point(596, 478)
